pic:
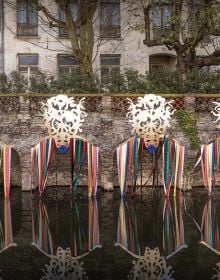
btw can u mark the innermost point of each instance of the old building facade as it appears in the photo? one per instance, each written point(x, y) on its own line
point(27, 43)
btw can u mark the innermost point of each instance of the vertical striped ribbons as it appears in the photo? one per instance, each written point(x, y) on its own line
point(93, 241)
point(210, 228)
point(127, 161)
point(127, 236)
point(5, 152)
point(173, 228)
point(93, 155)
point(210, 155)
point(79, 149)
point(173, 160)
point(41, 156)
point(42, 236)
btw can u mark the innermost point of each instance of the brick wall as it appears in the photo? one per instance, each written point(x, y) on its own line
point(22, 126)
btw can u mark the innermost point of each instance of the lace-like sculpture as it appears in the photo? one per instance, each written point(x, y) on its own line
point(216, 111)
point(151, 266)
point(63, 118)
point(216, 276)
point(64, 267)
point(150, 117)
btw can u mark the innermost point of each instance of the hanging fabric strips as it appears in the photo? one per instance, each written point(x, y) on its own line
point(40, 158)
point(127, 161)
point(127, 236)
point(173, 228)
point(210, 156)
point(173, 159)
point(79, 149)
point(210, 228)
point(5, 157)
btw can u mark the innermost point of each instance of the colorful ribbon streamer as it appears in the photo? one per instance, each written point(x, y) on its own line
point(173, 161)
point(5, 158)
point(128, 157)
point(210, 157)
point(127, 161)
point(79, 148)
point(41, 156)
point(173, 228)
point(210, 229)
point(127, 236)
point(6, 236)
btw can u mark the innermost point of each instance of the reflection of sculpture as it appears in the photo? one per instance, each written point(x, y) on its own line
point(81, 238)
point(6, 237)
point(150, 117)
point(216, 275)
point(127, 236)
point(64, 266)
point(210, 227)
point(173, 229)
point(63, 118)
point(151, 266)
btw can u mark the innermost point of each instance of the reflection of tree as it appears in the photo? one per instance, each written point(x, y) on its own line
point(210, 230)
point(173, 228)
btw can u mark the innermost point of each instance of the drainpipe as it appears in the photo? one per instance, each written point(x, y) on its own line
point(1, 37)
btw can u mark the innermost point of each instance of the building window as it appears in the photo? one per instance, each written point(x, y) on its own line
point(161, 20)
point(27, 18)
point(67, 65)
point(110, 23)
point(110, 64)
point(28, 64)
point(74, 11)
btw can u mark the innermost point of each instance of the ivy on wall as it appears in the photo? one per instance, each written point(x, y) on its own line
point(187, 123)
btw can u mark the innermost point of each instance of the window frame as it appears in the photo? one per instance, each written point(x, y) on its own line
point(111, 31)
point(159, 30)
point(110, 67)
point(71, 67)
point(26, 28)
point(29, 67)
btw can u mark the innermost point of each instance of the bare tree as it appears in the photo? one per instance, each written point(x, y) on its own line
point(189, 24)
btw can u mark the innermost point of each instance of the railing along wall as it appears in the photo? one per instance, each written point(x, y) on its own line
point(116, 103)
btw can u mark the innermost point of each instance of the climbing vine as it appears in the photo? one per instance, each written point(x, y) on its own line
point(187, 123)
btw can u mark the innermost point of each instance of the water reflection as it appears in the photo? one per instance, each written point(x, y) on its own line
point(66, 232)
point(130, 237)
point(173, 227)
point(6, 235)
point(210, 228)
point(151, 266)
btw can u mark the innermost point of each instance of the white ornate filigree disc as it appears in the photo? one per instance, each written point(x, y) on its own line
point(150, 117)
point(63, 118)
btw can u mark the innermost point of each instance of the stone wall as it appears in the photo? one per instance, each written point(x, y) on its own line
point(22, 126)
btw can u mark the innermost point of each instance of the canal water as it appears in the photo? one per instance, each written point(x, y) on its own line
point(148, 237)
